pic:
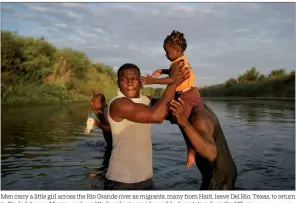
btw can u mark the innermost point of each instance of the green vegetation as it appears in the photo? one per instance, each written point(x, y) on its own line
point(35, 71)
point(253, 84)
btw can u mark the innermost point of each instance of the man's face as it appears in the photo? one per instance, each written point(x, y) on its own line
point(129, 83)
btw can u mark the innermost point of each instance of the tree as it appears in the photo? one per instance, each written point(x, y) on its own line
point(277, 73)
point(10, 52)
point(261, 77)
point(32, 68)
point(230, 82)
point(249, 75)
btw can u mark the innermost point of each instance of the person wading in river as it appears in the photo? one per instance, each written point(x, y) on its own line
point(213, 157)
point(99, 107)
point(130, 115)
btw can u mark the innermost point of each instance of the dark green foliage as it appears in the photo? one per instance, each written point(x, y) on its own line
point(251, 84)
point(35, 71)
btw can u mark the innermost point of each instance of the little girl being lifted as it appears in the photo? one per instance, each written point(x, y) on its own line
point(174, 45)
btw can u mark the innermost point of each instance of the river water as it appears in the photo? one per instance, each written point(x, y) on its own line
point(42, 147)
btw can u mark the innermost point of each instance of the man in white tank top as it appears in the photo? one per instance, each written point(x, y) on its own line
point(130, 115)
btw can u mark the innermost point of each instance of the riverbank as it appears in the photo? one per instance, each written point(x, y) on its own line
point(280, 89)
point(249, 98)
point(42, 94)
point(53, 94)
point(272, 87)
point(34, 71)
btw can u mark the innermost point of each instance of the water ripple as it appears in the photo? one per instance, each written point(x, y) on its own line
point(45, 149)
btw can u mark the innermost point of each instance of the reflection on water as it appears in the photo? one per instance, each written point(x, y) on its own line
point(259, 110)
point(43, 147)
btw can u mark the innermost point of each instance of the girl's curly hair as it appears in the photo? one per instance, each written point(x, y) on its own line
point(176, 38)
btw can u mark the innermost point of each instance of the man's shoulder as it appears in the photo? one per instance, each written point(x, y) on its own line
point(201, 118)
point(119, 106)
point(124, 101)
point(200, 113)
point(119, 101)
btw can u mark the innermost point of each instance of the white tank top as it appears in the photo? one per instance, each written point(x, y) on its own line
point(131, 156)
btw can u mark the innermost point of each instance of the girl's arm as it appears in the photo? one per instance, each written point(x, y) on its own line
point(165, 71)
point(149, 80)
point(159, 72)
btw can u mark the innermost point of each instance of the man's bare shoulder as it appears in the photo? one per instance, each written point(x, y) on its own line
point(118, 103)
point(198, 111)
point(120, 107)
point(200, 116)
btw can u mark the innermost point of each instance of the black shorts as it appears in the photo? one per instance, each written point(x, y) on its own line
point(114, 185)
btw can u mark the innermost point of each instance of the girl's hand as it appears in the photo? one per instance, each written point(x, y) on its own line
point(147, 80)
point(157, 73)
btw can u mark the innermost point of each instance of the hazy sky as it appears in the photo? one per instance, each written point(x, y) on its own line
point(224, 39)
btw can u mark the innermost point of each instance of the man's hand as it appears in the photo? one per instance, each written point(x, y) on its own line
point(177, 108)
point(157, 73)
point(183, 74)
point(147, 80)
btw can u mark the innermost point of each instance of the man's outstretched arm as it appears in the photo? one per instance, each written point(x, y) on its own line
point(124, 108)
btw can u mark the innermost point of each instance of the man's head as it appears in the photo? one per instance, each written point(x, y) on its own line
point(128, 80)
point(174, 45)
point(98, 101)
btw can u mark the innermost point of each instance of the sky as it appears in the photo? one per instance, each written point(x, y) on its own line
point(224, 39)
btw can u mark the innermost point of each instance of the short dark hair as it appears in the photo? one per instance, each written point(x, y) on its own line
point(128, 66)
point(176, 38)
point(99, 96)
